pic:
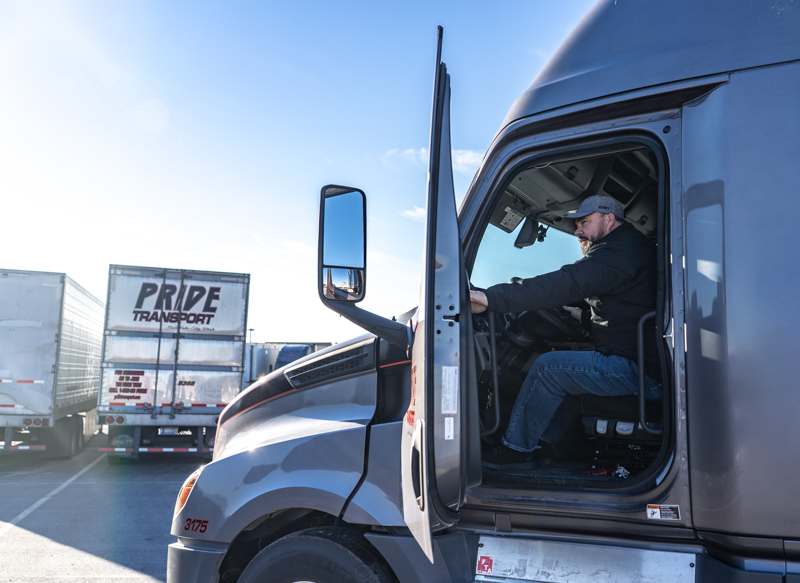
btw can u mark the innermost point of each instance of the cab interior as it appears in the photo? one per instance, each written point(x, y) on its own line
point(606, 445)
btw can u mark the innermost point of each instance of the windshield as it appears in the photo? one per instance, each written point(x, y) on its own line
point(498, 260)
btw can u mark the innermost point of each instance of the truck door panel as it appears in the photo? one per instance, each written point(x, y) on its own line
point(434, 433)
point(742, 324)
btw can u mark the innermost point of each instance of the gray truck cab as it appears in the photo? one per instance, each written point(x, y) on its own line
point(362, 462)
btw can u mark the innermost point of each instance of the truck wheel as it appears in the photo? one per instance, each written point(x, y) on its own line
point(318, 555)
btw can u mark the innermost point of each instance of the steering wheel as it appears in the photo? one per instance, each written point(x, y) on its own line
point(518, 327)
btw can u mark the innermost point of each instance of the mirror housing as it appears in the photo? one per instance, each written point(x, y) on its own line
point(342, 262)
point(342, 251)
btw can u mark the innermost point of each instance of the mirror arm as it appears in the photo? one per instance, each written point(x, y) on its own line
point(393, 332)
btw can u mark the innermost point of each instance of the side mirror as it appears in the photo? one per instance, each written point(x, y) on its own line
point(342, 245)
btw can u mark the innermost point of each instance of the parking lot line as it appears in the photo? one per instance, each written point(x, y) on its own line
point(14, 521)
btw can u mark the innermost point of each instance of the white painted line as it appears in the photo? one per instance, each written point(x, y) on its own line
point(21, 516)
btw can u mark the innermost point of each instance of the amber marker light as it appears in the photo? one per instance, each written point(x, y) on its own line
point(186, 489)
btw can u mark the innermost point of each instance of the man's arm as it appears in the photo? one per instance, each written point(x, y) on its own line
point(586, 278)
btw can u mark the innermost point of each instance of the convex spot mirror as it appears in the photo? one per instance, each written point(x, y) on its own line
point(342, 247)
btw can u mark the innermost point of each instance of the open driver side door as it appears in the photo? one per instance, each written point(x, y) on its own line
point(435, 430)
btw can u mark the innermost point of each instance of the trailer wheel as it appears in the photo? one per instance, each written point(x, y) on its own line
point(318, 555)
point(76, 436)
point(60, 439)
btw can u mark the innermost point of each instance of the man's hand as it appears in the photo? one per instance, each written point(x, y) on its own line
point(478, 302)
point(574, 312)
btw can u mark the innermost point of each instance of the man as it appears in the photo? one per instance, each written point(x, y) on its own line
point(617, 277)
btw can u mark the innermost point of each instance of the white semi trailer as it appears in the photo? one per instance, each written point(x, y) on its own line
point(50, 338)
point(173, 357)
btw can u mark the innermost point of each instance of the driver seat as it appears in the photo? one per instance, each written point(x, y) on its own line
point(618, 417)
point(619, 439)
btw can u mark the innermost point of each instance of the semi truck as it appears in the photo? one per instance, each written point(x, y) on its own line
point(173, 358)
point(363, 462)
point(51, 331)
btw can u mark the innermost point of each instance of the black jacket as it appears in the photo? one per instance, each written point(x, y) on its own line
point(617, 277)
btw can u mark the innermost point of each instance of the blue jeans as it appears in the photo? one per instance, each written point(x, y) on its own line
point(550, 396)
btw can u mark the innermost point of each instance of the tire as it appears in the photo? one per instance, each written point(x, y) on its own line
point(75, 434)
point(79, 437)
point(60, 439)
point(318, 555)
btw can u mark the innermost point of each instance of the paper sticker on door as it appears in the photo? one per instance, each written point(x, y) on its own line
point(485, 565)
point(449, 430)
point(663, 512)
point(449, 390)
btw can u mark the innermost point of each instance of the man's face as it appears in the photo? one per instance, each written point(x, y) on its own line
point(593, 227)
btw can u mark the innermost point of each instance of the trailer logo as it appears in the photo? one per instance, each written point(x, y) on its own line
point(122, 441)
point(165, 310)
point(485, 565)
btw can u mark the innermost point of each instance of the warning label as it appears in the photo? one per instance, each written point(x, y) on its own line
point(663, 512)
point(449, 390)
point(511, 220)
point(485, 565)
point(449, 432)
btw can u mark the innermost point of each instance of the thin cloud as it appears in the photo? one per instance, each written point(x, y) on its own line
point(541, 53)
point(464, 161)
point(415, 214)
point(397, 159)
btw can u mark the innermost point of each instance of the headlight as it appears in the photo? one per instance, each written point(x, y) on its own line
point(186, 489)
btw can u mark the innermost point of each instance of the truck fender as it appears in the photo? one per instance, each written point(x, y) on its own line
point(317, 472)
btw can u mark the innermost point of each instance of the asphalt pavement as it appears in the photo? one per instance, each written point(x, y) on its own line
point(85, 520)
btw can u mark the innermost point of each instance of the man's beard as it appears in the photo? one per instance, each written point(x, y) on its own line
point(585, 244)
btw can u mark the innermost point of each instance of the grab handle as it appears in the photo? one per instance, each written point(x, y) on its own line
point(495, 385)
point(640, 362)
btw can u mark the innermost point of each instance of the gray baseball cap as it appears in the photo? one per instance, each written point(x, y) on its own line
point(599, 203)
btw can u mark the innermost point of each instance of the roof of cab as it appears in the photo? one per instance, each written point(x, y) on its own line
point(622, 45)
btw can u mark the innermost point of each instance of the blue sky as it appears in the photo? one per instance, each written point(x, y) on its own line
point(198, 134)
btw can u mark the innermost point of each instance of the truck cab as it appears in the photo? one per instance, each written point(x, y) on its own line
point(362, 462)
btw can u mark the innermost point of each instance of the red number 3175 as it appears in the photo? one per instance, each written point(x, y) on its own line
point(195, 525)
